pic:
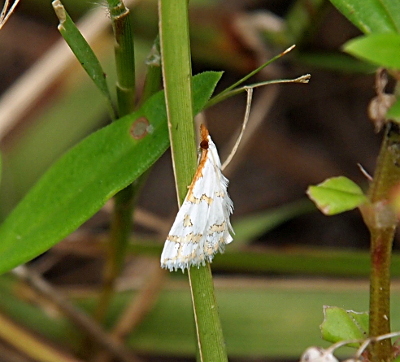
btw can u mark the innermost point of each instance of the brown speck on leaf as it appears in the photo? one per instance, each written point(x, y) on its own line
point(139, 128)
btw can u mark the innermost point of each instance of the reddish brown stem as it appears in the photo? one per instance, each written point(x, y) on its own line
point(382, 223)
point(379, 318)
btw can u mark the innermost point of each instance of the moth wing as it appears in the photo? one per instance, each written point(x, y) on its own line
point(183, 245)
point(224, 204)
point(217, 231)
point(201, 227)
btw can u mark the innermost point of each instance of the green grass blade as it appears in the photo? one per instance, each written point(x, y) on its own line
point(253, 226)
point(228, 92)
point(83, 53)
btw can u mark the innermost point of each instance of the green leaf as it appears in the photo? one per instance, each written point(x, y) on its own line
point(371, 16)
point(394, 112)
point(81, 181)
point(380, 49)
point(340, 325)
point(336, 195)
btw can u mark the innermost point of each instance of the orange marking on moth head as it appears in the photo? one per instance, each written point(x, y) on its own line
point(204, 137)
point(203, 158)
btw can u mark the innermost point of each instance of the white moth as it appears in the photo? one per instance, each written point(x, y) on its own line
point(317, 354)
point(201, 227)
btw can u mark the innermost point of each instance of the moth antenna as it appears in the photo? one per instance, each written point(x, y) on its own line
point(365, 173)
point(249, 91)
point(6, 11)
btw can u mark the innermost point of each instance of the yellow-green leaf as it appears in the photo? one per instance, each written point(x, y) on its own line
point(336, 195)
point(380, 49)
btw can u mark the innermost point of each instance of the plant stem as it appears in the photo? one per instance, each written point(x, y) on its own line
point(382, 223)
point(125, 201)
point(379, 304)
point(153, 79)
point(121, 221)
point(119, 236)
point(176, 66)
point(177, 73)
point(210, 338)
point(124, 56)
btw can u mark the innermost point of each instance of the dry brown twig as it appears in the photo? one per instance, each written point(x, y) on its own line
point(6, 11)
point(27, 343)
point(139, 306)
point(79, 318)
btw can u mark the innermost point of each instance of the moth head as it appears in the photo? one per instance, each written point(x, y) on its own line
point(204, 145)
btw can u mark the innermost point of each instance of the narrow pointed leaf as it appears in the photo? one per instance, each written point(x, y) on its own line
point(336, 195)
point(83, 52)
point(81, 181)
point(253, 226)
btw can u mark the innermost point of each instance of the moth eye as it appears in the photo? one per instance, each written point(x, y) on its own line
point(204, 145)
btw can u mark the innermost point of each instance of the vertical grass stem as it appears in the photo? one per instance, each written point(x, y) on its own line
point(176, 67)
